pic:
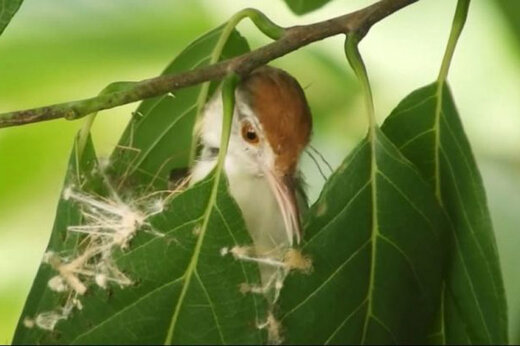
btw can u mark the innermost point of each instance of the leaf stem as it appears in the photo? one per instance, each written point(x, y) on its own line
point(261, 21)
point(356, 61)
point(357, 64)
point(228, 98)
point(461, 14)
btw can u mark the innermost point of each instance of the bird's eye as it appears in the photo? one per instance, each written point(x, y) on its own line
point(249, 133)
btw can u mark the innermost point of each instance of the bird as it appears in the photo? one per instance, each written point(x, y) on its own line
point(271, 127)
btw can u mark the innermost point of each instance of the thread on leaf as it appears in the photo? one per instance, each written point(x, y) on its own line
point(28, 322)
point(48, 320)
point(291, 259)
point(57, 284)
point(273, 327)
point(109, 224)
point(295, 260)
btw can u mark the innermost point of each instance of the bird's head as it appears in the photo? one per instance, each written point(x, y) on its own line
point(271, 126)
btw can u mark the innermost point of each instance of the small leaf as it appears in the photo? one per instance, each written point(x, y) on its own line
point(8, 9)
point(427, 129)
point(375, 237)
point(301, 7)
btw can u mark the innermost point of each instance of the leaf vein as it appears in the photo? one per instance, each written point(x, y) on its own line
point(407, 259)
point(344, 322)
point(466, 162)
point(210, 302)
point(410, 202)
point(416, 105)
point(473, 236)
point(111, 317)
point(344, 209)
point(161, 135)
point(416, 137)
point(385, 327)
point(331, 276)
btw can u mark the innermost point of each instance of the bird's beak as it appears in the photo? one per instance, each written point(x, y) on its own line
point(283, 187)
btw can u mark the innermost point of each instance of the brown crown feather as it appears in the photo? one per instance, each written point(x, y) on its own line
point(281, 107)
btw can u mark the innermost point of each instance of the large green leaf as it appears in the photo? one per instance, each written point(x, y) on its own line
point(375, 237)
point(304, 6)
point(427, 129)
point(8, 8)
point(183, 290)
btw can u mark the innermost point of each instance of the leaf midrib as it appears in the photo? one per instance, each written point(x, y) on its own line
point(437, 141)
point(242, 266)
point(375, 236)
point(195, 257)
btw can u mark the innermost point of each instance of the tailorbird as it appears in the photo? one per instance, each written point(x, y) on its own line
point(271, 127)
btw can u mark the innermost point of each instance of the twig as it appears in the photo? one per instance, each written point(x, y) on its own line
point(295, 37)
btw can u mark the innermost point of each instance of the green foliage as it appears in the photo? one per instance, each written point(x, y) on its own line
point(301, 7)
point(431, 136)
point(376, 238)
point(7, 10)
point(400, 239)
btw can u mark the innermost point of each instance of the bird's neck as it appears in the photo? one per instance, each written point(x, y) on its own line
point(259, 208)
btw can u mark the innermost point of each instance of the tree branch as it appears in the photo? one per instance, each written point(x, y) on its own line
point(358, 22)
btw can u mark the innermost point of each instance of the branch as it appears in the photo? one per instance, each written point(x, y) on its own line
point(293, 38)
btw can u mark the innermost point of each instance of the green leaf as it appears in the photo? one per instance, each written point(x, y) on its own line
point(301, 7)
point(8, 8)
point(427, 129)
point(375, 237)
point(179, 288)
point(159, 138)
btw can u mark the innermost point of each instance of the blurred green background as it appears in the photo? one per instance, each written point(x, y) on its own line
point(56, 51)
